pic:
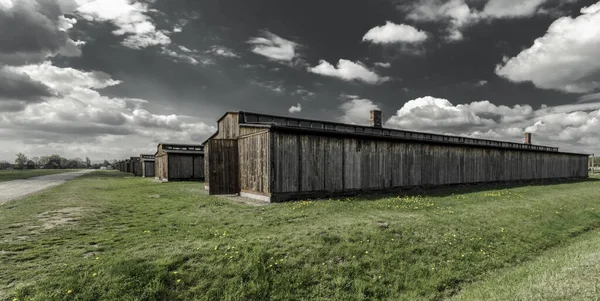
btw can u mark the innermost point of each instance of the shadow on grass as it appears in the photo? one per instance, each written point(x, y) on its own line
point(458, 189)
point(430, 191)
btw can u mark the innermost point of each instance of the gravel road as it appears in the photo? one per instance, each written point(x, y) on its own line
point(12, 190)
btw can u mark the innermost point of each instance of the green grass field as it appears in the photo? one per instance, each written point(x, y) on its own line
point(9, 175)
point(569, 272)
point(108, 236)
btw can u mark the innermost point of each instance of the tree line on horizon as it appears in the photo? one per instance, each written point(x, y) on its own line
point(53, 161)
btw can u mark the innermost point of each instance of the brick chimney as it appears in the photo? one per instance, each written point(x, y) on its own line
point(376, 118)
point(528, 138)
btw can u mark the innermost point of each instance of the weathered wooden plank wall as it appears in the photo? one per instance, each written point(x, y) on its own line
point(229, 127)
point(255, 162)
point(305, 163)
point(206, 167)
point(247, 130)
point(161, 164)
point(224, 166)
point(199, 167)
point(148, 168)
point(180, 166)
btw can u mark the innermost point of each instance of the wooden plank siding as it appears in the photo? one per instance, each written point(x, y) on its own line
point(185, 167)
point(136, 167)
point(148, 169)
point(279, 159)
point(224, 166)
point(228, 127)
point(312, 163)
point(206, 165)
point(255, 162)
point(161, 165)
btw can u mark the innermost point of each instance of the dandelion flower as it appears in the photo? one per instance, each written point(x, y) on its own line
point(178, 280)
point(69, 292)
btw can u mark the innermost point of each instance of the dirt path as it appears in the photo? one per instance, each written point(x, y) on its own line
point(12, 190)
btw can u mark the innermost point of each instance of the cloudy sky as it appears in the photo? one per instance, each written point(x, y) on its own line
point(111, 78)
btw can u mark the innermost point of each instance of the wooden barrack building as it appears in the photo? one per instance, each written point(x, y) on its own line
point(179, 162)
point(136, 167)
point(275, 158)
point(147, 163)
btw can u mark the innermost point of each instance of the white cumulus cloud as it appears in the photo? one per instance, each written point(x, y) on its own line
point(511, 8)
point(295, 109)
point(274, 47)
point(130, 18)
point(80, 118)
point(458, 14)
point(357, 110)
point(565, 58)
point(569, 127)
point(223, 51)
point(348, 71)
point(394, 33)
point(383, 65)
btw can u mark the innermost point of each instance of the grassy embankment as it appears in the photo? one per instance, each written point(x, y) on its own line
point(107, 236)
point(9, 175)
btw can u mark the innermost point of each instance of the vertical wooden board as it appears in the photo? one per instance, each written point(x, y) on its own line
point(181, 167)
point(459, 162)
point(427, 165)
point(363, 157)
point(206, 168)
point(253, 161)
point(353, 170)
point(224, 166)
point(313, 163)
point(266, 162)
point(469, 162)
point(372, 165)
point(149, 169)
point(229, 127)
point(286, 159)
point(396, 164)
point(198, 171)
point(416, 152)
point(333, 164)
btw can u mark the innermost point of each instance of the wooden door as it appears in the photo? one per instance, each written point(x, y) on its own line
point(223, 164)
point(149, 169)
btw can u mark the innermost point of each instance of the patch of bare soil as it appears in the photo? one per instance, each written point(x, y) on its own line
point(55, 218)
point(244, 200)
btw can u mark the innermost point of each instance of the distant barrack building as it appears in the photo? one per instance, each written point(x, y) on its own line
point(276, 158)
point(147, 163)
point(135, 166)
point(179, 162)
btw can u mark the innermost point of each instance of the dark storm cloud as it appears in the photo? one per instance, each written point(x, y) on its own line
point(331, 33)
point(31, 30)
point(15, 86)
point(35, 27)
point(83, 128)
